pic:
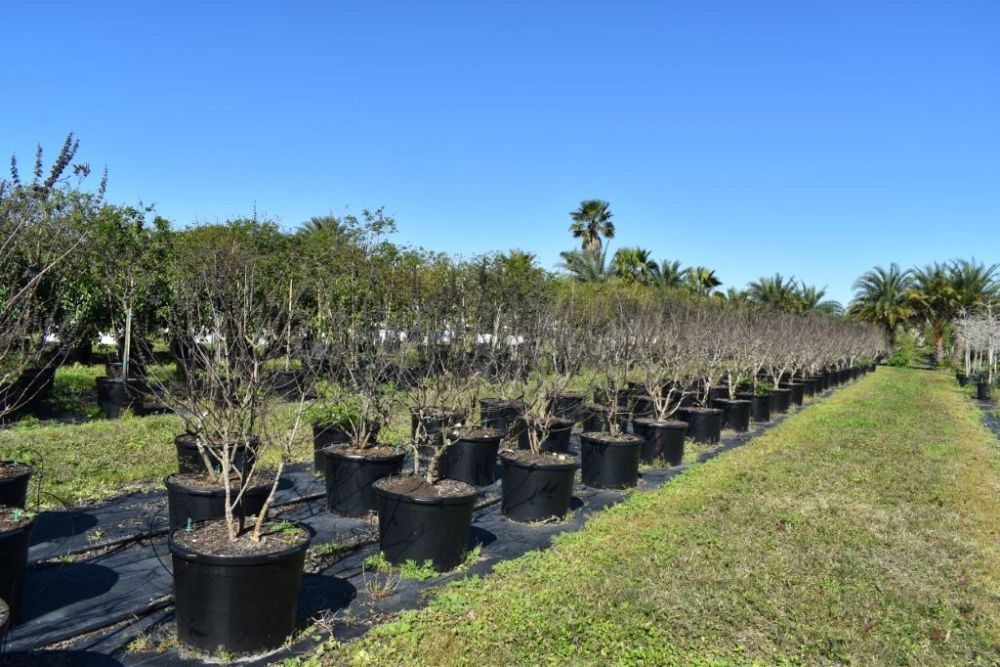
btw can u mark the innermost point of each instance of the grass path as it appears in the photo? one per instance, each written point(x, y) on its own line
point(862, 531)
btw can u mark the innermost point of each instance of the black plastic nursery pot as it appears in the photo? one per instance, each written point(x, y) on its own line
point(736, 414)
point(286, 384)
point(350, 475)
point(717, 394)
point(472, 458)
point(643, 407)
point(4, 620)
point(704, 424)
point(499, 413)
point(536, 490)
point(325, 435)
point(14, 487)
point(567, 406)
point(14, 563)
point(597, 418)
point(186, 502)
point(811, 384)
point(781, 399)
point(424, 528)
point(115, 395)
point(189, 459)
point(610, 462)
point(963, 379)
point(760, 405)
point(983, 391)
point(242, 605)
point(798, 392)
point(661, 439)
point(557, 441)
point(431, 424)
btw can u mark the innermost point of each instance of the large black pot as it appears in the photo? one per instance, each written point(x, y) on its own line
point(781, 398)
point(983, 391)
point(14, 489)
point(735, 414)
point(704, 424)
point(472, 458)
point(717, 394)
point(536, 491)
point(431, 424)
point(14, 563)
point(242, 605)
point(350, 475)
point(421, 528)
point(115, 395)
point(287, 384)
point(557, 442)
point(798, 391)
point(661, 440)
point(962, 378)
point(597, 418)
point(608, 463)
point(499, 413)
point(189, 459)
point(760, 405)
point(194, 504)
point(325, 435)
point(808, 386)
point(567, 406)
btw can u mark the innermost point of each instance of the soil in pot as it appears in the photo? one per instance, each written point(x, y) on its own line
point(472, 457)
point(239, 597)
point(189, 459)
point(537, 487)
point(325, 435)
point(610, 461)
point(557, 440)
point(15, 535)
point(704, 424)
point(424, 522)
point(760, 405)
point(14, 478)
point(781, 399)
point(661, 440)
point(197, 497)
point(350, 473)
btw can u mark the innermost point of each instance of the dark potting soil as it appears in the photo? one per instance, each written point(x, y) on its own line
point(607, 437)
point(7, 518)
point(526, 456)
point(373, 452)
point(413, 485)
point(13, 469)
point(206, 483)
point(212, 539)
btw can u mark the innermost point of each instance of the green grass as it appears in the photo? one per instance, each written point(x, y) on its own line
point(861, 531)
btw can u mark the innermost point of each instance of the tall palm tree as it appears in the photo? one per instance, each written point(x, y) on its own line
point(775, 291)
point(668, 275)
point(702, 280)
point(934, 298)
point(975, 284)
point(633, 265)
point(880, 297)
point(592, 221)
point(586, 266)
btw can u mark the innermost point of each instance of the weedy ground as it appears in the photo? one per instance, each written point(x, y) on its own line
point(861, 531)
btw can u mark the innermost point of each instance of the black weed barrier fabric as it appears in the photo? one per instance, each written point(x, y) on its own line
point(101, 576)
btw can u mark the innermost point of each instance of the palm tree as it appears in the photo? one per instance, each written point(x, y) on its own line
point(323, 223)
point(880, 297)
point(734, 295)
point(975, 284)
point(633, 265)
point(668, 275)
point(592, 221)
point(934, 298)
point(587, 266)
point(702, 280)
point(811, 298)
point(775, 292)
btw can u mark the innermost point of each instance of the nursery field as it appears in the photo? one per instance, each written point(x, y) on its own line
point(862, 531)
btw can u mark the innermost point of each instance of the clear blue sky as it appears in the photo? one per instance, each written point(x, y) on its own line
point(813, 138)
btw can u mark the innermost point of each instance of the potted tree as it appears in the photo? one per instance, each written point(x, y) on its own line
point(611, 459)
point(704, 334)
point(236, 577)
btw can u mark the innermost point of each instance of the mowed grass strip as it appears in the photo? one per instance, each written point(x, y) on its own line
point(862, 531)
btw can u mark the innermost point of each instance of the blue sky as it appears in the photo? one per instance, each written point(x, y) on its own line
point(812, 138)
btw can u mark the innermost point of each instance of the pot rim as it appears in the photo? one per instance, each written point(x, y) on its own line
point(670, 423)
point(237, 560)
point(194, 491)
point(334, 451)
point(425, 500)
point(507, 459)
point(31, 469)
point(596, 436)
